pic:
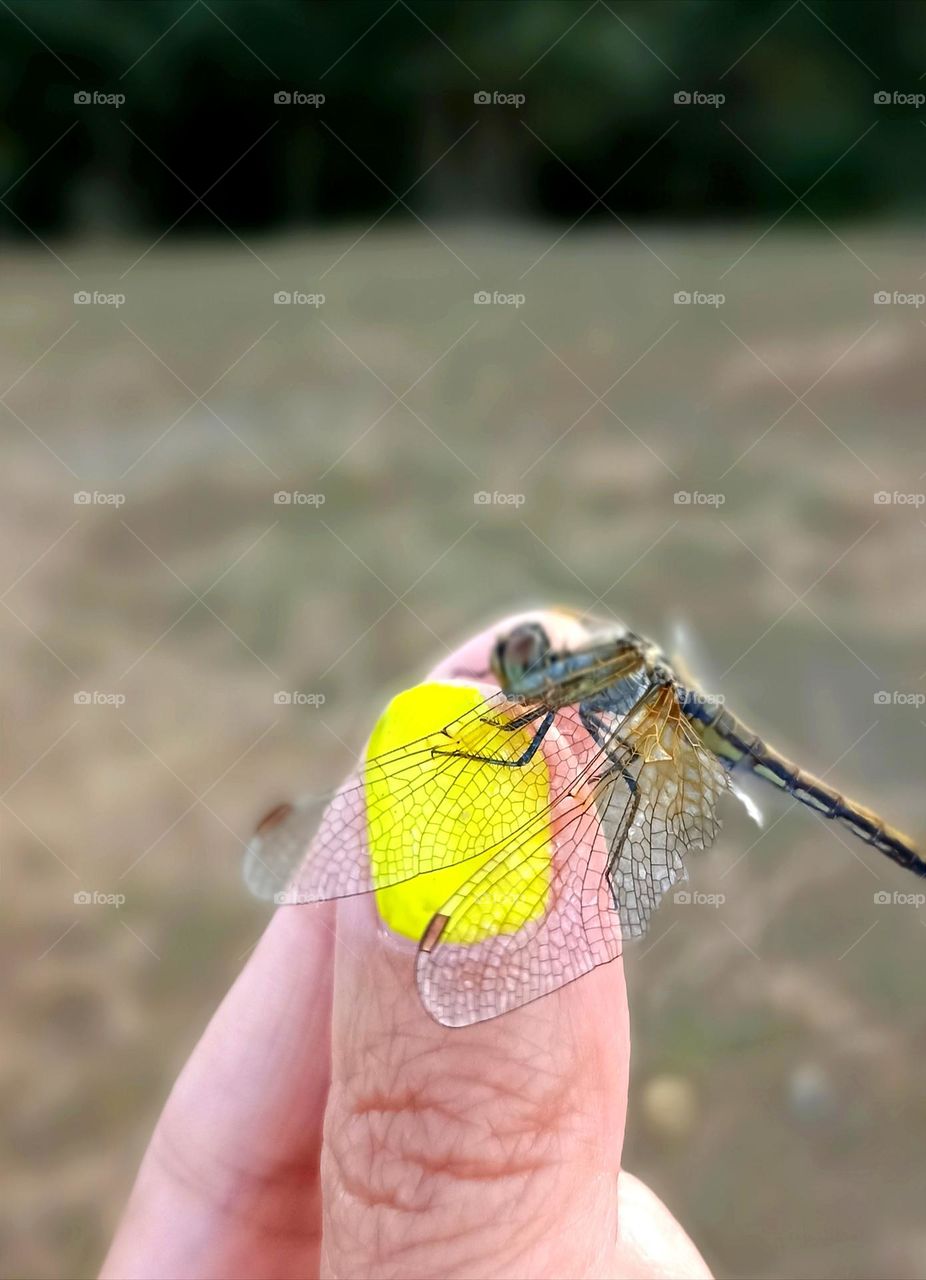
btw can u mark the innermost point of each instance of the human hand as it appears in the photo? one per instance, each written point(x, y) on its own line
point(326, 1126)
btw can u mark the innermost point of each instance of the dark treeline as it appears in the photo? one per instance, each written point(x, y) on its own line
point(158, 99)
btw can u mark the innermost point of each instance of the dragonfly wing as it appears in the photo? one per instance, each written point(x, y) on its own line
point(618, 846)
point(280, 844)
point(525, 924)
point(691, 663)
point(401, 804)
point(677, 784)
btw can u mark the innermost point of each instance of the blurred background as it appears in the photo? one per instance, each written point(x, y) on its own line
point(333, 333)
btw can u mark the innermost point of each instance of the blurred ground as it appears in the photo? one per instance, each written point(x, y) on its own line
point(777, 1101)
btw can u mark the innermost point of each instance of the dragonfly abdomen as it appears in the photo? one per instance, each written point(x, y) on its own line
point(737, 747)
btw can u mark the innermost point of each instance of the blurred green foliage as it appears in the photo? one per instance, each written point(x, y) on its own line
point(399, 79)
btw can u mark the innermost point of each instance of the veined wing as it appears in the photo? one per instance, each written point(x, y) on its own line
point(523, 926)
point(557, 923)
point(426, 803)
point(688, 658)
point(672, 810)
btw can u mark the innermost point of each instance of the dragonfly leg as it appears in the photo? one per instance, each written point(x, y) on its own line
point(617, 845)
point(595, 729)
point(519, 722)
point(522, 760)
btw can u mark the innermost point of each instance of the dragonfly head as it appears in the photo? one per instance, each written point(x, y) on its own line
point(523, 651)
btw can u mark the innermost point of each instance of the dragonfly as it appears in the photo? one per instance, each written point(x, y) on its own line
point(548, 818)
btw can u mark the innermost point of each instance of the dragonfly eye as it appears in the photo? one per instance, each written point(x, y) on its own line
point(521, 652)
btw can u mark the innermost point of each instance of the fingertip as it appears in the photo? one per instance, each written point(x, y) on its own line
point(477, 1133)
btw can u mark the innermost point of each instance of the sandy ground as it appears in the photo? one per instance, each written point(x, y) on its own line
point(778, 1099)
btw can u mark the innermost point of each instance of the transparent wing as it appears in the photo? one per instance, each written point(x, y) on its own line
point(618, 847)
point(678, 784)
point(280, 843)
point(319, 848)
point(691, 662)
point(559, 924)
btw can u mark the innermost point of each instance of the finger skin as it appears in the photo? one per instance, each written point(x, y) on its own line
point(229, 1185)
point(491, 1150)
